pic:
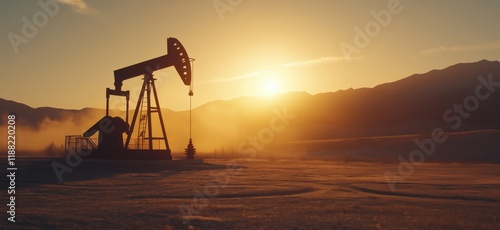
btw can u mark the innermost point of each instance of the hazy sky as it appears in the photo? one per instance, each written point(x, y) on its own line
point(241, 47)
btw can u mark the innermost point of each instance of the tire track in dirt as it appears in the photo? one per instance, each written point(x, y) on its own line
point(413, 195)
point(268, 193)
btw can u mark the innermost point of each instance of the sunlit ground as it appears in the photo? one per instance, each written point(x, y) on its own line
point(264, 195)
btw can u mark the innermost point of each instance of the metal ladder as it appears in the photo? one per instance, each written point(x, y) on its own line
point(143, 120)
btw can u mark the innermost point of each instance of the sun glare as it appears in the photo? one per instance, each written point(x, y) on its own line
point(271, 87)
point(270, 83)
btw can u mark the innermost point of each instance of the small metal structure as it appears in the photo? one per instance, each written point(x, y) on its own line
point(74, 143)
point(110, 141)
point(190, 151)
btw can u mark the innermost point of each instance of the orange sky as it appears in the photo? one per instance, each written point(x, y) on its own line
point(241, 47)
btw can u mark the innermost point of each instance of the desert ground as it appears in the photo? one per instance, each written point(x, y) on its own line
point(254, 194)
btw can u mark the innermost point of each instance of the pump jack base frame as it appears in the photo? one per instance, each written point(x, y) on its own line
point(131, 154)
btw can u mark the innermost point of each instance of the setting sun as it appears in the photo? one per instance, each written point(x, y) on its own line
point(271, 83)
point(271, 87)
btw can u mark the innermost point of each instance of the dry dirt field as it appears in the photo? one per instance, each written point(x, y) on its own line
point(256, 194)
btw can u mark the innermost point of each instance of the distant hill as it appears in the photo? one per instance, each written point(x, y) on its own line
point(33, 117)
point(413, 105)
point(410, 105)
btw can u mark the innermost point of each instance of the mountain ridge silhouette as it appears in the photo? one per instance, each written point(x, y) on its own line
point(411, 105)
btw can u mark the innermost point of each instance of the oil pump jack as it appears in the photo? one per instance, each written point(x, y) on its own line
point(110, 129)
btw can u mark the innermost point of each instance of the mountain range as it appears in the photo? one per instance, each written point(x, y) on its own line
point(375, 123)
